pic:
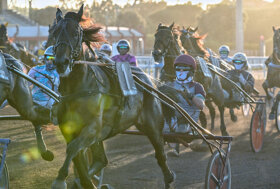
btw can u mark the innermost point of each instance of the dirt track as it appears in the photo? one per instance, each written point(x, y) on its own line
point(132, 163)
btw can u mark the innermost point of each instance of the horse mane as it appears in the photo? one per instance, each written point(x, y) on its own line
point(197, 40)
point(91, 31)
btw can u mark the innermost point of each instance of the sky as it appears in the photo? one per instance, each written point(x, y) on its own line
point(45, 3)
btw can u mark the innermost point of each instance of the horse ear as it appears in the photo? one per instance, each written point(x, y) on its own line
point(159, 25)
point(6, 24)
point(273, 28)
point(58, 15)
point(195, 29)
point(81, 12)
point(171, 26)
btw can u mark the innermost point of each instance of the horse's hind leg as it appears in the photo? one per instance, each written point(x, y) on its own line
point(203, 119)
point(233, 117)
point(152, 126)
point(99, 159)
point(212, 113)
point(223, 125)
point(265, 86)
point(156, 138)
point(81, 167)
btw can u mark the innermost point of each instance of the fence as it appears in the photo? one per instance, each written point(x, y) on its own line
point(148, 65)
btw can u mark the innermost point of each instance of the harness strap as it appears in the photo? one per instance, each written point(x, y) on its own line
point(85, 93)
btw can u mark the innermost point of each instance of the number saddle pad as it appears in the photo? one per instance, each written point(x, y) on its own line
point(126, 80)
point(4, 73)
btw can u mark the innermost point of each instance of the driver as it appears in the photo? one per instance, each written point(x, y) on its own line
point(192, 93)
point(123, 48)
point(240, 75)
point(48, 76)
point(224, 52)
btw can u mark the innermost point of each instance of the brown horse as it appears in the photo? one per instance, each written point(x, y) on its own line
point(93, 108)
point(273, 64)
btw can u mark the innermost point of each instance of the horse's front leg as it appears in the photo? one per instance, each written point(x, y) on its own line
point(24, 105)
point(86, 138)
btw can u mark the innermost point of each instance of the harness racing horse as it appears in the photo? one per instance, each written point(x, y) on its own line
point(93, 108)
point(167, 47)
point(273, 64)
point(192, 43)
point(16, 90)
point(15, 49)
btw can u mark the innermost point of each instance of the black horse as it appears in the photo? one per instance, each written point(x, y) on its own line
point(166, 49)
point(15, 49)
point(192, 43)
point(16, 90)
point(273, 64)
point(93, 108)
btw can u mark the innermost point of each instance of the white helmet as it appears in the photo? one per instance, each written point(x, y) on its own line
point(240, 61)
point(106, 47)
point(43, 45)
point(224, 48)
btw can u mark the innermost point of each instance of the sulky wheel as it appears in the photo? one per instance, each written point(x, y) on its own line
point(218, 176)
point(4, 181)
point(257, 127)
point(277, 116)
point(245, 109)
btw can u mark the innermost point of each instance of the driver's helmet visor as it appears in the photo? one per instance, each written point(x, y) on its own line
point(224, 52)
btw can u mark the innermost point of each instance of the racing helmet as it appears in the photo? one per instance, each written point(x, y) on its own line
point(185, 60)
point(106, 47)
point(240, 61)
point(123, 43)
point(43, 45)
point(224, 49)
point(49, 51)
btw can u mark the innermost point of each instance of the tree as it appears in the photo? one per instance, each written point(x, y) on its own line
point(219, 22)
point(132, 20)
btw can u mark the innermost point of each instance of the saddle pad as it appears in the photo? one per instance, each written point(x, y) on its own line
point(204, 67)
point(4, 73)
point(126, 80)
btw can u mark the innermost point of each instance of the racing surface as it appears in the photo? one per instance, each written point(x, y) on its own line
point(132, 163)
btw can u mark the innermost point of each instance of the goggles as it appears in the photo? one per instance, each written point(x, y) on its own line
point(223, 52)
point(183, 68)
point(50, 57)
point(238, 62)
point(123, 47)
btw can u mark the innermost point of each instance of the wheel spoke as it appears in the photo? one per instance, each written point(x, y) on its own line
point(226, 177)
point(214, 178)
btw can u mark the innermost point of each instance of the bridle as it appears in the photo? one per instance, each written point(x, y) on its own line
point(187, 39)
point(166, 48)
point(75, 50)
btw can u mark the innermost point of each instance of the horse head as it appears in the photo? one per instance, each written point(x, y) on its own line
point(276, 43)
point(193, 42)
point(164, 39)
point(3, 33)
point(69, 34)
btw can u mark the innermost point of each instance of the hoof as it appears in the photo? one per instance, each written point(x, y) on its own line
point(233, 118)
point(271, 116)
point(106, 186)
point(173, 153)
point(170, 182)
point(59, 184)
point(202, 147)
point(225, 133)
point(47, 155)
